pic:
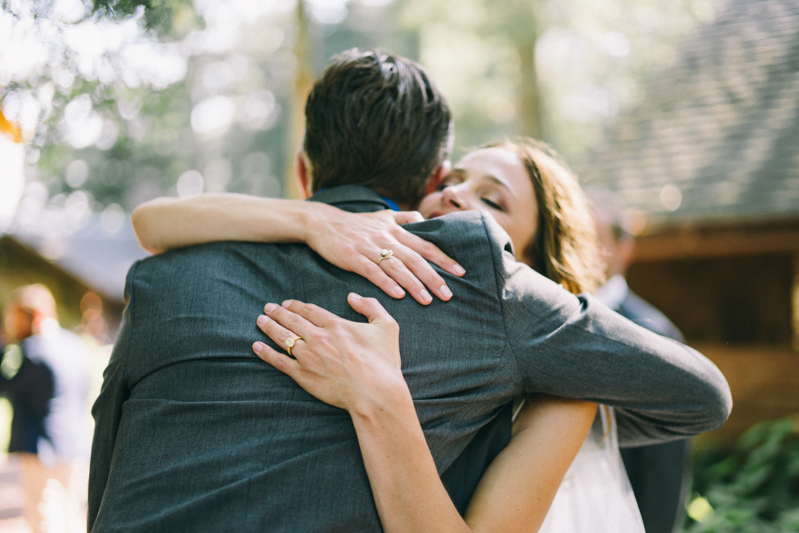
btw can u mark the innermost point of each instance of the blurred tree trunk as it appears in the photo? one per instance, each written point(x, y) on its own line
point(524, 24)
point(299, 94)
point(795, 303)
point(530, 102)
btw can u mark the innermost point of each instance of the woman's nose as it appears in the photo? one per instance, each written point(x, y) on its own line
point(452, 197)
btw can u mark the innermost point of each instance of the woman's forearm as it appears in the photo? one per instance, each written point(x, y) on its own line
point(514, 494)
point(517, 489)
point(167, 223)
point(407, 489)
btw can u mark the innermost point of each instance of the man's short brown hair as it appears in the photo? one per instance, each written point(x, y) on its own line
point(377, 120)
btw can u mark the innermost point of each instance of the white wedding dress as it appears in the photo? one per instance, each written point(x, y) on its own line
point(595, 495)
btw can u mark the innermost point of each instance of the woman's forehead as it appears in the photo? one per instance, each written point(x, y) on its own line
point(490, 156)
point(500, 163)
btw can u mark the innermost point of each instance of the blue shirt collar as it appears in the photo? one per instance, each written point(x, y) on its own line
point(391, 203)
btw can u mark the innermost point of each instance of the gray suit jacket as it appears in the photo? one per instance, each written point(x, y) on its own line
point(195, 433)
point(659, 473)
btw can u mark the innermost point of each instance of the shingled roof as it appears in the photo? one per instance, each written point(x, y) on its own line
point(717, 137)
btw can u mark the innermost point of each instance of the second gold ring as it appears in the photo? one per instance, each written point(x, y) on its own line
point(385, 254)
point(290, 344)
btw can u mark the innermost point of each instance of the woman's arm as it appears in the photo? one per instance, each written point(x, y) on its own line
point(523, 479)
point(350, 241)
point(356, 367)
point(168, 223)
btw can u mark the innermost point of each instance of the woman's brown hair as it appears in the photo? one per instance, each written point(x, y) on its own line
point(564, 249)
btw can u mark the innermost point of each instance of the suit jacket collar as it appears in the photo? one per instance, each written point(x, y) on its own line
point(354, 198)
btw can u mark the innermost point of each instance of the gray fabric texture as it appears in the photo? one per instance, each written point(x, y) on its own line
point(660, 474)
point(195, 433)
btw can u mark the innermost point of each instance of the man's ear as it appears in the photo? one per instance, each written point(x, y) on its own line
point(438, 175)
point(303, 174)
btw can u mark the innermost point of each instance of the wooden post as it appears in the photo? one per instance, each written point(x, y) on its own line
point(795, 303)
point(520, 18)
point(302, 86)
point(531, 110)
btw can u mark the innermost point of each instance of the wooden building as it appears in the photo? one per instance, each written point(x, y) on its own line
point(84, 268)
point(21, 265)
point(709, 167)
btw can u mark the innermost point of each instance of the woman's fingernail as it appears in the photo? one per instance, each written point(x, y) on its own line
point(426, 298)
point(459, 271)
point(263, 319)
point(270, 307)
point(445, 292)
point(257, 347)
point(287, 303)
point(398, 292)
point(355, 296)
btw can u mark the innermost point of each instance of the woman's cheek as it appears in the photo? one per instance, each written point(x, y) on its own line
point(429, 203)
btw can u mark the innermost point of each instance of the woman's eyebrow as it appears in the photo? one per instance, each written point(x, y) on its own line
point(490, 177)
point(499, 182)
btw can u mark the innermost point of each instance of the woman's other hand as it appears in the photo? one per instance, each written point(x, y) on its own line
point(350, 365)
point(353, 241)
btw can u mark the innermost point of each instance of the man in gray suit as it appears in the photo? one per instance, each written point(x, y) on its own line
point(195, 433)
point(659, 473)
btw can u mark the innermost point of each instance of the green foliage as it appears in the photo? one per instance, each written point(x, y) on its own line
point(753, 489)
point(158, 14)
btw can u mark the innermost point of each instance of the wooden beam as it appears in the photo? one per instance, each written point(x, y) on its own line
point(795, 303)
point(693, 243)
point(764, 382)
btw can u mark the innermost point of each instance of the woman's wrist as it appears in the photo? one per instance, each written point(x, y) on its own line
point(304, 222)
point(389, 398)
point(310, 220)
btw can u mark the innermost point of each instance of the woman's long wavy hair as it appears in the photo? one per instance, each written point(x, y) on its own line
point(565, 247)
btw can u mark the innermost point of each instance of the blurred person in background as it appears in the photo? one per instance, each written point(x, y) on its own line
point(45, 375)
point(659, 473)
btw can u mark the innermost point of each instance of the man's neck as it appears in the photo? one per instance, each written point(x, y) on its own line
point(326, 194)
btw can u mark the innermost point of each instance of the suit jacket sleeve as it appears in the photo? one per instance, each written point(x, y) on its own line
point(576, 347)
point(107, 409)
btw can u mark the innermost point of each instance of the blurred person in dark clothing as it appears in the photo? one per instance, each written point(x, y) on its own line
point(659, 473)
point(45, 375)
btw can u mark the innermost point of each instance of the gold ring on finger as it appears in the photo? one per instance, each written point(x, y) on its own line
point(385, 254)
point(290, 343)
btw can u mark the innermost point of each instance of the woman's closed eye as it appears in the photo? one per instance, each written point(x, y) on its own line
point(492, 201)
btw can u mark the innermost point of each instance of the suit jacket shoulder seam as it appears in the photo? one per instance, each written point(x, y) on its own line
point(497, 284)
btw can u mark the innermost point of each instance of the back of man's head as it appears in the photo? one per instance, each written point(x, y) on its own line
point(35, 298)
point(29, 307)
point(377, 120)
point(615, 241)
